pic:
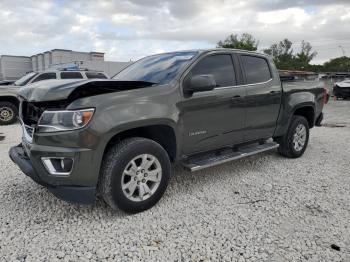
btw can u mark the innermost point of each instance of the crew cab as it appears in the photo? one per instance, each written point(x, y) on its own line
point(117, 139)
point(8, 93)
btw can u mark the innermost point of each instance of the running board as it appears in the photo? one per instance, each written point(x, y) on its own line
point(202, 161)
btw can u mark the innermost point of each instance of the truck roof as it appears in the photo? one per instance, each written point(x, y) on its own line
point(204, 50)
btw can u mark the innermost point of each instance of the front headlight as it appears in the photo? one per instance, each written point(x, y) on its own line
point(55, 121)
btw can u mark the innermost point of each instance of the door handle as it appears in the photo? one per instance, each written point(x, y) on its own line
point(274, 92)
point(236, 97)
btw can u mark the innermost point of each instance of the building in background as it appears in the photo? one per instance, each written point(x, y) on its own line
point(14, 67)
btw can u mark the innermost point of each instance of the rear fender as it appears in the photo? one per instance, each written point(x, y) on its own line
point(291, 102)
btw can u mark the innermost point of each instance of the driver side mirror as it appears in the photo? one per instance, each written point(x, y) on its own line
point(200, 83)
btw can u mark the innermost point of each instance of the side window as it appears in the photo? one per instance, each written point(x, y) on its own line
point(256, 69)
point(220, 66)
point(45, 76)
point(95, 75)
point(71, 75)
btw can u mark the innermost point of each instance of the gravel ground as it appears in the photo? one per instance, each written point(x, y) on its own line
point(262, 208)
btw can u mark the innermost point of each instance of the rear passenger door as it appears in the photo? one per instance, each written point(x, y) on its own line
point(263, 98)
point(213, 119)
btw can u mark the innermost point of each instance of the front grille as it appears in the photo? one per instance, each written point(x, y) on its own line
point(30, 112)
point(28, 132)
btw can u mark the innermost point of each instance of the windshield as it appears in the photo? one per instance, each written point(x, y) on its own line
point(157, 69)
point(25, 79)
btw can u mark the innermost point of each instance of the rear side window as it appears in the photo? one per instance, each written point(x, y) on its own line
point(220, 66)
point(45, 76)
point(71, 75)
point(256, 69)
point(95, 75)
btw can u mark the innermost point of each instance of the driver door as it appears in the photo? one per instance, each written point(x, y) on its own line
point(213, 119)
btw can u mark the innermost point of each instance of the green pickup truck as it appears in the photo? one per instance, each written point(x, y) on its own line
point(118, 138)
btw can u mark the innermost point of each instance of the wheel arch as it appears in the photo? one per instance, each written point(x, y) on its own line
point(10, 99)
point(306, 110)
point(163, 134)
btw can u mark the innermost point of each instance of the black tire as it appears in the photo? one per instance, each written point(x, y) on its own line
point(287, 148)
point(116, 160)
point(7, 108)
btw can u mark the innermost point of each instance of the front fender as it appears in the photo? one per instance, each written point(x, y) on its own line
point(118, 112)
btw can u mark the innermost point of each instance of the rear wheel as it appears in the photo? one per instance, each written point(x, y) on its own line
point(135, 174)
point(8, 113)
point(293, 144)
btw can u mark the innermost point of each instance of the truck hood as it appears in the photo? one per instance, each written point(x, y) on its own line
point(49, 90)
point(53, 90)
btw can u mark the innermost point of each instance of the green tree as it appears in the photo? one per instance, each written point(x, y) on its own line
point(282, 54)
point(284, 57)
point(245, 41)
point(339, 64)
point(303, 58)
point(316, 68)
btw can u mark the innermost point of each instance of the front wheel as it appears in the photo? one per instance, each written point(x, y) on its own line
point(293, 144)
point(134, 174)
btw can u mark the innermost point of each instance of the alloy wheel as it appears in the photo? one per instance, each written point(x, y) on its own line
point(299, 137)
point(141, 177)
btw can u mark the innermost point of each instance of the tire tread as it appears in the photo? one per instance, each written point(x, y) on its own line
point(285, 148)
point(112, 159)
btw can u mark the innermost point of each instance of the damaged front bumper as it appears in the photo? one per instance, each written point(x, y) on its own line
point(69, 193)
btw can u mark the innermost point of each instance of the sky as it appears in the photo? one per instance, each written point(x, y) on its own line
point(129, 30)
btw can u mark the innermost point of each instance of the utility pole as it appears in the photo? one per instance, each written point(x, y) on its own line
point(344, 55)
point(342, 49)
